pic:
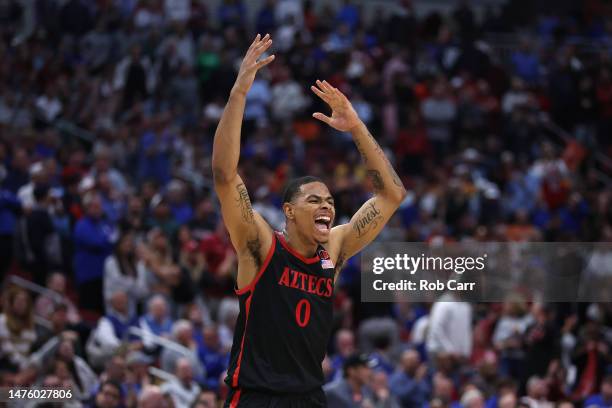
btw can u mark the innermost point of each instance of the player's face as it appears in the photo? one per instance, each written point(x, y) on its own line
point(314, 211)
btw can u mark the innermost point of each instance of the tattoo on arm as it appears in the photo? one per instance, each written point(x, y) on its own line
point(378, 150)
point(377, 180)
point(367, 219)
point(244, 203)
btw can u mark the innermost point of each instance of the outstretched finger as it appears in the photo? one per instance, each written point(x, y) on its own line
point(262, 47)
point(255, 41)
point(322, 117)
point(319, 93)
point(265, 61)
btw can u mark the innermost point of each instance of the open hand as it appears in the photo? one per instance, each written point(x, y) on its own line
point(250, 64)
point(343, 118)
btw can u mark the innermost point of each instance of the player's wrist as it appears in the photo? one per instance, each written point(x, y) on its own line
point(237, 92)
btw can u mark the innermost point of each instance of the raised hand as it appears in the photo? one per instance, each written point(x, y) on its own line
point(343, 118)
point(250, 64)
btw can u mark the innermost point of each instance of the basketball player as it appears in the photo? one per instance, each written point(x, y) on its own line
point(285, 281)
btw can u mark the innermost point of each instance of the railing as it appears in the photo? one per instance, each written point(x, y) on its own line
point(33, 287)
point(159, 340)
point(161, 374)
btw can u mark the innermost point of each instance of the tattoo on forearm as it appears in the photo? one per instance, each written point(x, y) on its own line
point(377, 180)
point(378, 150)
point(367, 219)
point(244, 203)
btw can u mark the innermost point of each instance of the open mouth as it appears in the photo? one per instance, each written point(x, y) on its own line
point(323, 223)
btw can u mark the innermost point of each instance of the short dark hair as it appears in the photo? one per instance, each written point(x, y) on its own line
point(293, 187)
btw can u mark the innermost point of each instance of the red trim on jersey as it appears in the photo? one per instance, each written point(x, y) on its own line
point(295, 253)
point(246, 322)
point(235, 399)
point(251, 285)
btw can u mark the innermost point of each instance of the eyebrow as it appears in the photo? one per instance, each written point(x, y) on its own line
point(318, 197)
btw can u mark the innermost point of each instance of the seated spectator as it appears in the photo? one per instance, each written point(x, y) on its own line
point(45, 303)
point(137, 375)
point(352, 389)
point(108, 396)
point(17, 333)
point(157, 321)
point(472, 398)
point(409, 383)
point(183, 390)
point(122, 271)
point(73, 372)
point(162, 273)
point(345, 347)
point(112, 330)
point(182, 335)
point(212, 355)
point(537, 392)
point(152, 397)
point(382, 396)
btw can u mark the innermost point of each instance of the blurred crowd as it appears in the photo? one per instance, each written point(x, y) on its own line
point(498, 122)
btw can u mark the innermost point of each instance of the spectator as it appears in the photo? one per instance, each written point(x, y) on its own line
point(449, 333)
point(182, 334)
point(152, 397)
point(184, 390)
point(93, 242)
point(16, 329)
point(409, 383)
point(352, 389)
point(109, 396)
point(45, 303)
point(123, 272)
point(157, 321)
point(112, 329)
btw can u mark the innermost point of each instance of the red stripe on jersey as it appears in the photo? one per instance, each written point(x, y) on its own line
point(235, 399)
point(246, 322)
point(251, 285)
point(295, 253)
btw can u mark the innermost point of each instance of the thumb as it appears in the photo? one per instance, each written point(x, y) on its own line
point(322, 117)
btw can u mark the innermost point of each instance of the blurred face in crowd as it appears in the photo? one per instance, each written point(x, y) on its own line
point(536, 388)
point(57, 283)
point(312, 212)
point(115, 369)
point(109, 396)
point(126, 244)
point(94, 206)
point(206, 399)
point(185, 335)
point(158, 308)
point(119, 302)
point(380, 381)
point(606, 388)
point(21, 304)
point(211, 337)
point(151, 397)
point(184, 371)
point(507, 401)
point(443, 388)
point(410, 361)
point(345, 342)
point(65, 350)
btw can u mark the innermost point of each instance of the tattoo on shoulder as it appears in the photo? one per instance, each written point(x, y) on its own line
point(244, 203)
point(377, 180)
point(367, 219)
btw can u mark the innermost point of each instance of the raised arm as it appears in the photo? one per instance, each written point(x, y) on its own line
point(369, 220)
point(250, 234)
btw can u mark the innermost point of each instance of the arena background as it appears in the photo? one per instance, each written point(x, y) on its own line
point(117, 269)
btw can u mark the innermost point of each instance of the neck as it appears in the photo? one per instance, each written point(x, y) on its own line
point(303, 246)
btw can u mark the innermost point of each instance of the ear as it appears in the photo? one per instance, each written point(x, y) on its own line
point(289, 211)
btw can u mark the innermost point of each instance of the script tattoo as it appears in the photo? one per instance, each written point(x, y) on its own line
point(244, 203)
point(367, 219)
point(377, 180)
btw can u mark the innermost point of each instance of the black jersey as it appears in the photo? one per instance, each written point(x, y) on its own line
point(284, 323)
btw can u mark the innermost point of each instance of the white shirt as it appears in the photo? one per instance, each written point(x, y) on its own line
point(181, 397)
point(450, 327)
